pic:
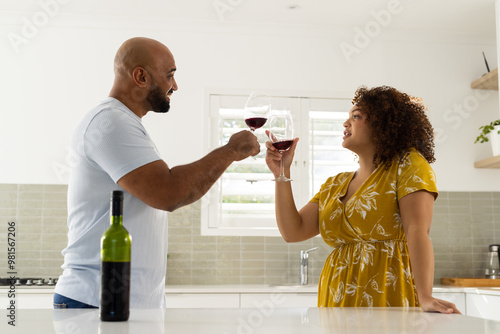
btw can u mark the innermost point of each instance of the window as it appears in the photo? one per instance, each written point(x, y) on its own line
point(242, 201)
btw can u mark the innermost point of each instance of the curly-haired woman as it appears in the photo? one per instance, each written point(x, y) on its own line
point(378, 218)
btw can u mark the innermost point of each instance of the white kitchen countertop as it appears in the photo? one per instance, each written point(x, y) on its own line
point(251, 320)
point(255, 288)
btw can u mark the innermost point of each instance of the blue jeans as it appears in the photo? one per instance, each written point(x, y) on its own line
point(64, 302)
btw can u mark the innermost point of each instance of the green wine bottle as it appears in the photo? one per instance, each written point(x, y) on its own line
point(116, 244)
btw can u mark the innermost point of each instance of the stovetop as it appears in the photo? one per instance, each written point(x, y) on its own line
point(27, 281)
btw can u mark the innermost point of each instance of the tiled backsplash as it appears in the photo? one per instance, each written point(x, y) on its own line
point(39, 213)
point(464, 224)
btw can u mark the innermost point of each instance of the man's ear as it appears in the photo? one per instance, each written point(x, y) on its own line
point(140, 76)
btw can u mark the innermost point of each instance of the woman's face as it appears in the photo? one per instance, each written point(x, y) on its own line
point(357, 133)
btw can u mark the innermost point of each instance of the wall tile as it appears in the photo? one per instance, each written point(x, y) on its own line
point(8, 187)
point(252, 280)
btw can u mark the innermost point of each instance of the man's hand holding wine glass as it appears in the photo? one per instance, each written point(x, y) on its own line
point(244, 143)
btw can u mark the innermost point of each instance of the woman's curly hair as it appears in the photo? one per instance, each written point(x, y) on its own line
point(398, 122)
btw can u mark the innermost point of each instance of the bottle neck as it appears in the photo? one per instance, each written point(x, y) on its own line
point(116, 220)
point(117, 208)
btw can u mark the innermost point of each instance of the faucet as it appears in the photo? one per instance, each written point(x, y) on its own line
point(304, 261)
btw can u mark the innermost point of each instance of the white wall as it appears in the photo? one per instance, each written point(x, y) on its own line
point(66, 68)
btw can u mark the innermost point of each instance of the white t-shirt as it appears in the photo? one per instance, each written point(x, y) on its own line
point(108, 143)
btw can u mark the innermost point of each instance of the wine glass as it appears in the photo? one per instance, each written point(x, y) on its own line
point(281, 136)
point(256, 110)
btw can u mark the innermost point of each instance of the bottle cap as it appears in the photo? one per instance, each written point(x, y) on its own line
point(117, 203)
point(117, 193)
point(494, 248)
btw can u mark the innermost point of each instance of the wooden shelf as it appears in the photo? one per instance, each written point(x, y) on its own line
point(493, 162)
point(487, 81)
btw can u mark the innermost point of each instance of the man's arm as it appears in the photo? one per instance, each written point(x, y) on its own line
point(168, 189)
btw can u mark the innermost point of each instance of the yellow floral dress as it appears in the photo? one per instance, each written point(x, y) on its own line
point(370, 265)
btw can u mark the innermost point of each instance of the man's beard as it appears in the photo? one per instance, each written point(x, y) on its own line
point(157, 100)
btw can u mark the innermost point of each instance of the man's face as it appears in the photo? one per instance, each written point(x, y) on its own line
point(163, 84)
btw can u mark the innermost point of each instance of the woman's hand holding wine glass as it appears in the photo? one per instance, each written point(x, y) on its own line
point(281, 136)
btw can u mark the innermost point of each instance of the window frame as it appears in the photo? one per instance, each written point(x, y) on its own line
point(211, 203)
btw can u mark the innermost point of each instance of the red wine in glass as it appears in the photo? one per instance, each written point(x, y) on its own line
point(255, 122)
point(256, 110)
point(283, 145)
point(281, 135)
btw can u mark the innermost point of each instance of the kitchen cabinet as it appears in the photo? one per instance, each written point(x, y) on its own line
point(241, 296)
point(483, 306)
point(29, 298)
point(262, 300)
point(36, 301)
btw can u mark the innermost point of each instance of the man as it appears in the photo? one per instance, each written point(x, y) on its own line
point(114, 152)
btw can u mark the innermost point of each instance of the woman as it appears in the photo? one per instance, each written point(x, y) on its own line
point(378, 217)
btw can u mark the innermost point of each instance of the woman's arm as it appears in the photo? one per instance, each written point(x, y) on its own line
point(294, 225)
point(416, 214)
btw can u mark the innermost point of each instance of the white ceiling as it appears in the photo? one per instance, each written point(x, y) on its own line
point(462, 16)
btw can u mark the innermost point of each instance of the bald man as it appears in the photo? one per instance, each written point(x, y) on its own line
point(113, 151)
